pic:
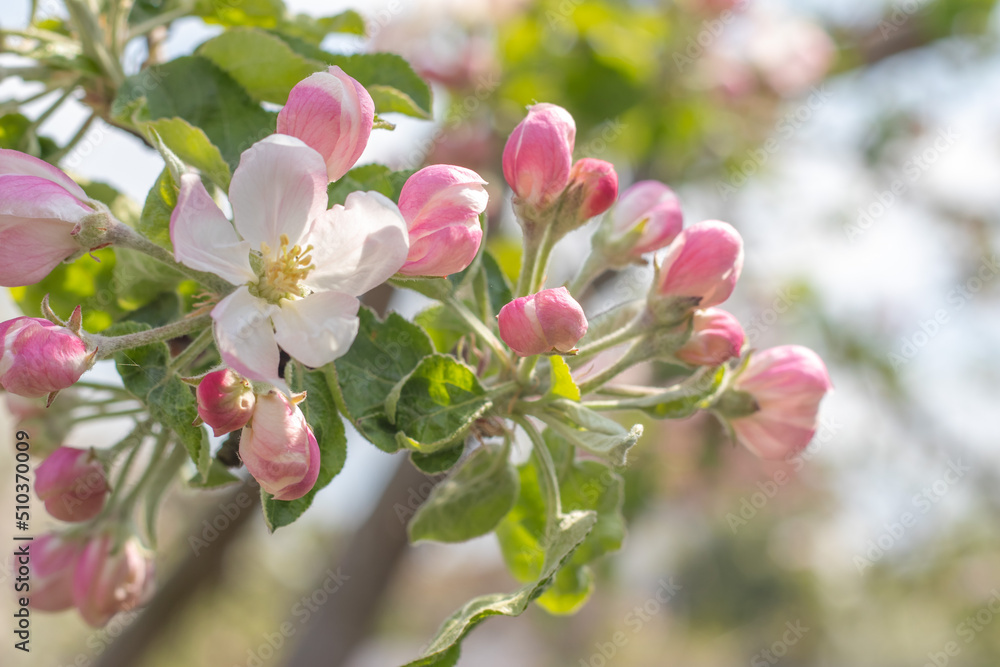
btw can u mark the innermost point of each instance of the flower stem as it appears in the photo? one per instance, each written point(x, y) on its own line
point(479, 328)
point(108, 346)
point(593, 266)
point(110, 415)
point(191, 352)
point(629, 359)
point(625, 334)
point(151, 468)
point(547, 468)
point(62, 152)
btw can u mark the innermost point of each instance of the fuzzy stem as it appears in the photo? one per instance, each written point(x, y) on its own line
point(547, 468)
point(108, 346)
point(479, 328)
point(593, 266)
point(629, 359)
point(189, 354)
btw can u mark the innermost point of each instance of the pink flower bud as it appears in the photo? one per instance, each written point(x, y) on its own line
point(333, 114)
point(279, 449)
point(788, 383)
point(594, 185)
point(441, 205)
point(39, 207)
point(539, 154)
point(108, 580)
point(717, 338)
point(549, 321)
point(704, 263)
point(225, 401)
point(650, 210)
point(52, 559)
point(72, 484)
point(39, 357)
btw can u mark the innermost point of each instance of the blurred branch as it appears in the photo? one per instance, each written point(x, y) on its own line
point(374, 553)
point(191, 578)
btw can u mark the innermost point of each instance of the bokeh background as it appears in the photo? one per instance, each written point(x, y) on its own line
point(856, 147)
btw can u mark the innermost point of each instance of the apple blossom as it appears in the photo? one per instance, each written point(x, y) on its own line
point(592, 188)
point(52, 558)
point(549, 321)
point(787, 384)
point(279, 449)
point(647, 217)
point(703, 264)
point(225, 401)
point(717, 337)
point(539, 154)
point(441, 205)
point(299, 267)
point(39, 208)
point(111, 577)
point(333, 114)
point(39, 357)
point(72, 484)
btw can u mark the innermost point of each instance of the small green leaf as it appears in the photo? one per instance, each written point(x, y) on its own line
point(193, 147)
point(433, 288)
point(561, 384)
point(438, 462)
point(263, 64)
point(471, 502)
point(195, 89)
point(260, 13)
point(390, 78)
point(314, 30)
point(568, 534)
point(438, 403)
point(388, 99)
point(595, 433)
point(443, 326)
point(320, 410)
point(381, 355)
point(154, 222)
point(218, 476)
point(681, 400)
point(496, 284)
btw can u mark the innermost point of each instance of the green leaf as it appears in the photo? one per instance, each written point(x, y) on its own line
point(443, 326)
point(438, 462)
point(438, 403)
point(260, 13)
point(195, 89)
point(154, 222)
point(263, 64)
point(433, 288)
point(568, 534)
point(320, 410)
point(471, 502)
point(218, 476)
point(561, 384)
point(193, 147)
point(583, 485)
point(142, 281)
point(496, 284)
point(17, 132)
point(595, 433)
point(377, 177)
point(382, 354)
point(314, 30)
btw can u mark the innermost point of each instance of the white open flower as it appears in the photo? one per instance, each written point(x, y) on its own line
point(299, 266)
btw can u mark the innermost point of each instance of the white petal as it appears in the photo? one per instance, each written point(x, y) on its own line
point(359, 245)
point(204, 239)
point(279, 186)
point(245, 336)
point(319, 328)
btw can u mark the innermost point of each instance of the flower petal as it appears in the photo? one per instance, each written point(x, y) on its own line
point(34, 197)
point(245, 336)
point(279, 186)
point(359, 245)
point(204, 239)
point(319, 328)
point(21, 164)
point(31, 248)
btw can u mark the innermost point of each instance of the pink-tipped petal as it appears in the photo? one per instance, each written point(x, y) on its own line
point(656, 208)
point(204, 239)
point(717, 337)
point(333, 114)
point(549, 321)
point(279, 449)
point(539, 154)
point(21, 164)
point(359, 245)
point(278, 188)
point(705, 261)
